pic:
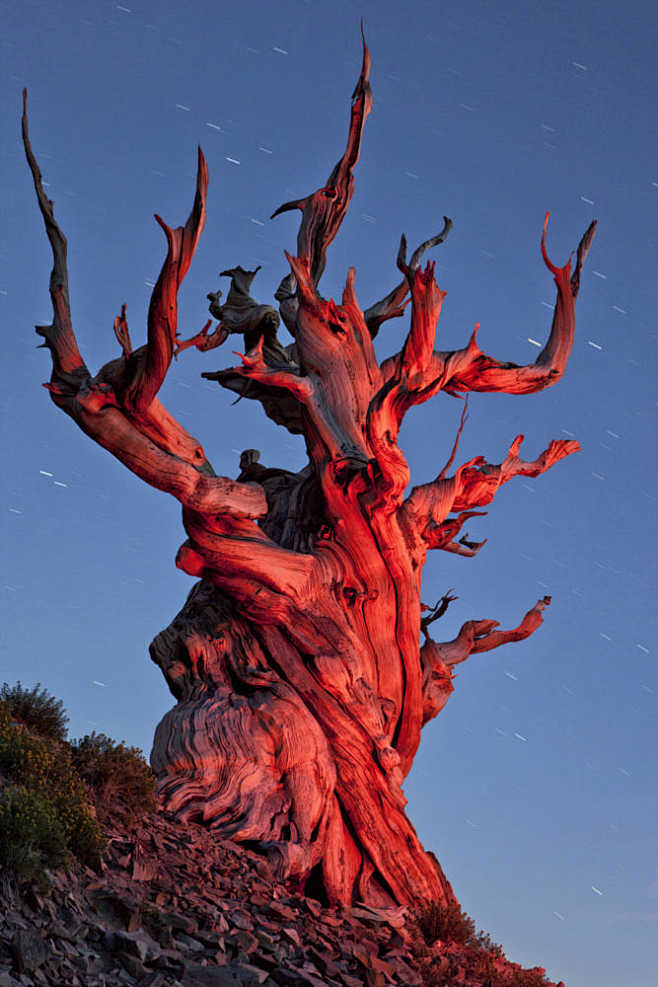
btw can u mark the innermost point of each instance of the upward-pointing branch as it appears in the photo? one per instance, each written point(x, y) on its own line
point(394, 304)
point(119, 409)
point(59, 336)
point(163, 309)
point(324, 210)
point(470, 369)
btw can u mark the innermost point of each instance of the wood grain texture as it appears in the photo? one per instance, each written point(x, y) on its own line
point(296, 664)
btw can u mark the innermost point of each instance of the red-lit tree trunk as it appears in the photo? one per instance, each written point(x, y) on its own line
point(296, 662)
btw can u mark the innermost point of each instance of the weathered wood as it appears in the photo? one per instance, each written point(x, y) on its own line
point(300, 682)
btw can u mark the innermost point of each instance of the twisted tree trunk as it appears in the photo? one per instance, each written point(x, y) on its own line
point(296, 663)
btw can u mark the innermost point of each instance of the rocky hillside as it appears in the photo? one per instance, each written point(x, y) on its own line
point(100, 888)
point(172, 904)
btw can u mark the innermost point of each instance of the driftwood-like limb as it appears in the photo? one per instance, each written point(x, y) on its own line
point(122, 333)
point(203, 340)
point(470, 369)
point(163, 310)
point(478, 484)
point(394, 304)
point(116, 410)
point(439, 659)
point(68, 365)
point(296, 664)
point(488, 639)
point(436, 612)
point(474, 484)
point(443, 535)
point(324, 210)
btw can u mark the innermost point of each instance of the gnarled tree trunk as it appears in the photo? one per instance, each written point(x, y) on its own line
point(296, 661)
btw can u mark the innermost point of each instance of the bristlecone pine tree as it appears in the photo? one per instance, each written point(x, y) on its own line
point(296, 662)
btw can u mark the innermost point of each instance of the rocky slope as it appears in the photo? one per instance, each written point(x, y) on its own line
point(173, 905)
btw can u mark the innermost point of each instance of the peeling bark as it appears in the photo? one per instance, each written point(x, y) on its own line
point(300, 682)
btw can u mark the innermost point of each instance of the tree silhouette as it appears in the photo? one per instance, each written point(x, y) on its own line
point(300, 682)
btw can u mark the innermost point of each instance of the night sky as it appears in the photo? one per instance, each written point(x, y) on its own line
point(536, 786)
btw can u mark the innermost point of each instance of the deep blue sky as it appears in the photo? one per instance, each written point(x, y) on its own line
point(536, 786)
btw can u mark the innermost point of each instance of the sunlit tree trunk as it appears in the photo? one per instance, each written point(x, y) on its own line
point(296, 663)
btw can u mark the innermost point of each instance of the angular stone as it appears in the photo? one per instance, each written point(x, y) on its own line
point(281, 910)
point(259, 900)
point(180, 923)
point(192, 944)
point(28, 949)
point(246, 941)
point(132, 964)
point(324, 961)
point(292, 935)
point(196, 975)
point(138, 944)
point(249, 970)
point(152, 979)
point(242, 919)
point(219, 925)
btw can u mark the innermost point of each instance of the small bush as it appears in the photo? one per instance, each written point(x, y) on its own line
point(119, 776)
point(32, 837)
point(36, 709)
point(480, 957)
point(536, 977)
point(43, 766)
point(446, 922)
point(485, 942)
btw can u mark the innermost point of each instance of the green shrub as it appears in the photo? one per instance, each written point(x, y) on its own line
point(43, 766)
point(36, 709)
point(31, 835)
point(119, 776)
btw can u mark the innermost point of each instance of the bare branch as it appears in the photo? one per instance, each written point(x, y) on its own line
point(163, 309)
point(394, 304)
point(68, 366)
point(470, 369)
point(405, 383)
point(122, 333)
point(493, 638)
point(203, 340)
point(581, 256)
point(255, 368)
point(478, 484)
point(324, 210)
point(474, 484)
point(462, 422)
point(480, 635)
point(279, 405)
point(443, 535)
point(435, 612)
point(439, 659)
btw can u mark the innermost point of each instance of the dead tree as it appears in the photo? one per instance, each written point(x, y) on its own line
point(300, 683)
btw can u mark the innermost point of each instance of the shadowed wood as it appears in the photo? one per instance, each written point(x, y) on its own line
point(296, 664)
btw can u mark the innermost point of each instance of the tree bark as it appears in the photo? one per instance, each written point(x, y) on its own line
point(300, 683)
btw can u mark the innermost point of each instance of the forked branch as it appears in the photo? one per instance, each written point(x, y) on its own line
point(470, 369)
point(439, 659)
point(474, 484)
point(119, 409)
point(163, 309)
point(324, 210)
point(394, 304)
